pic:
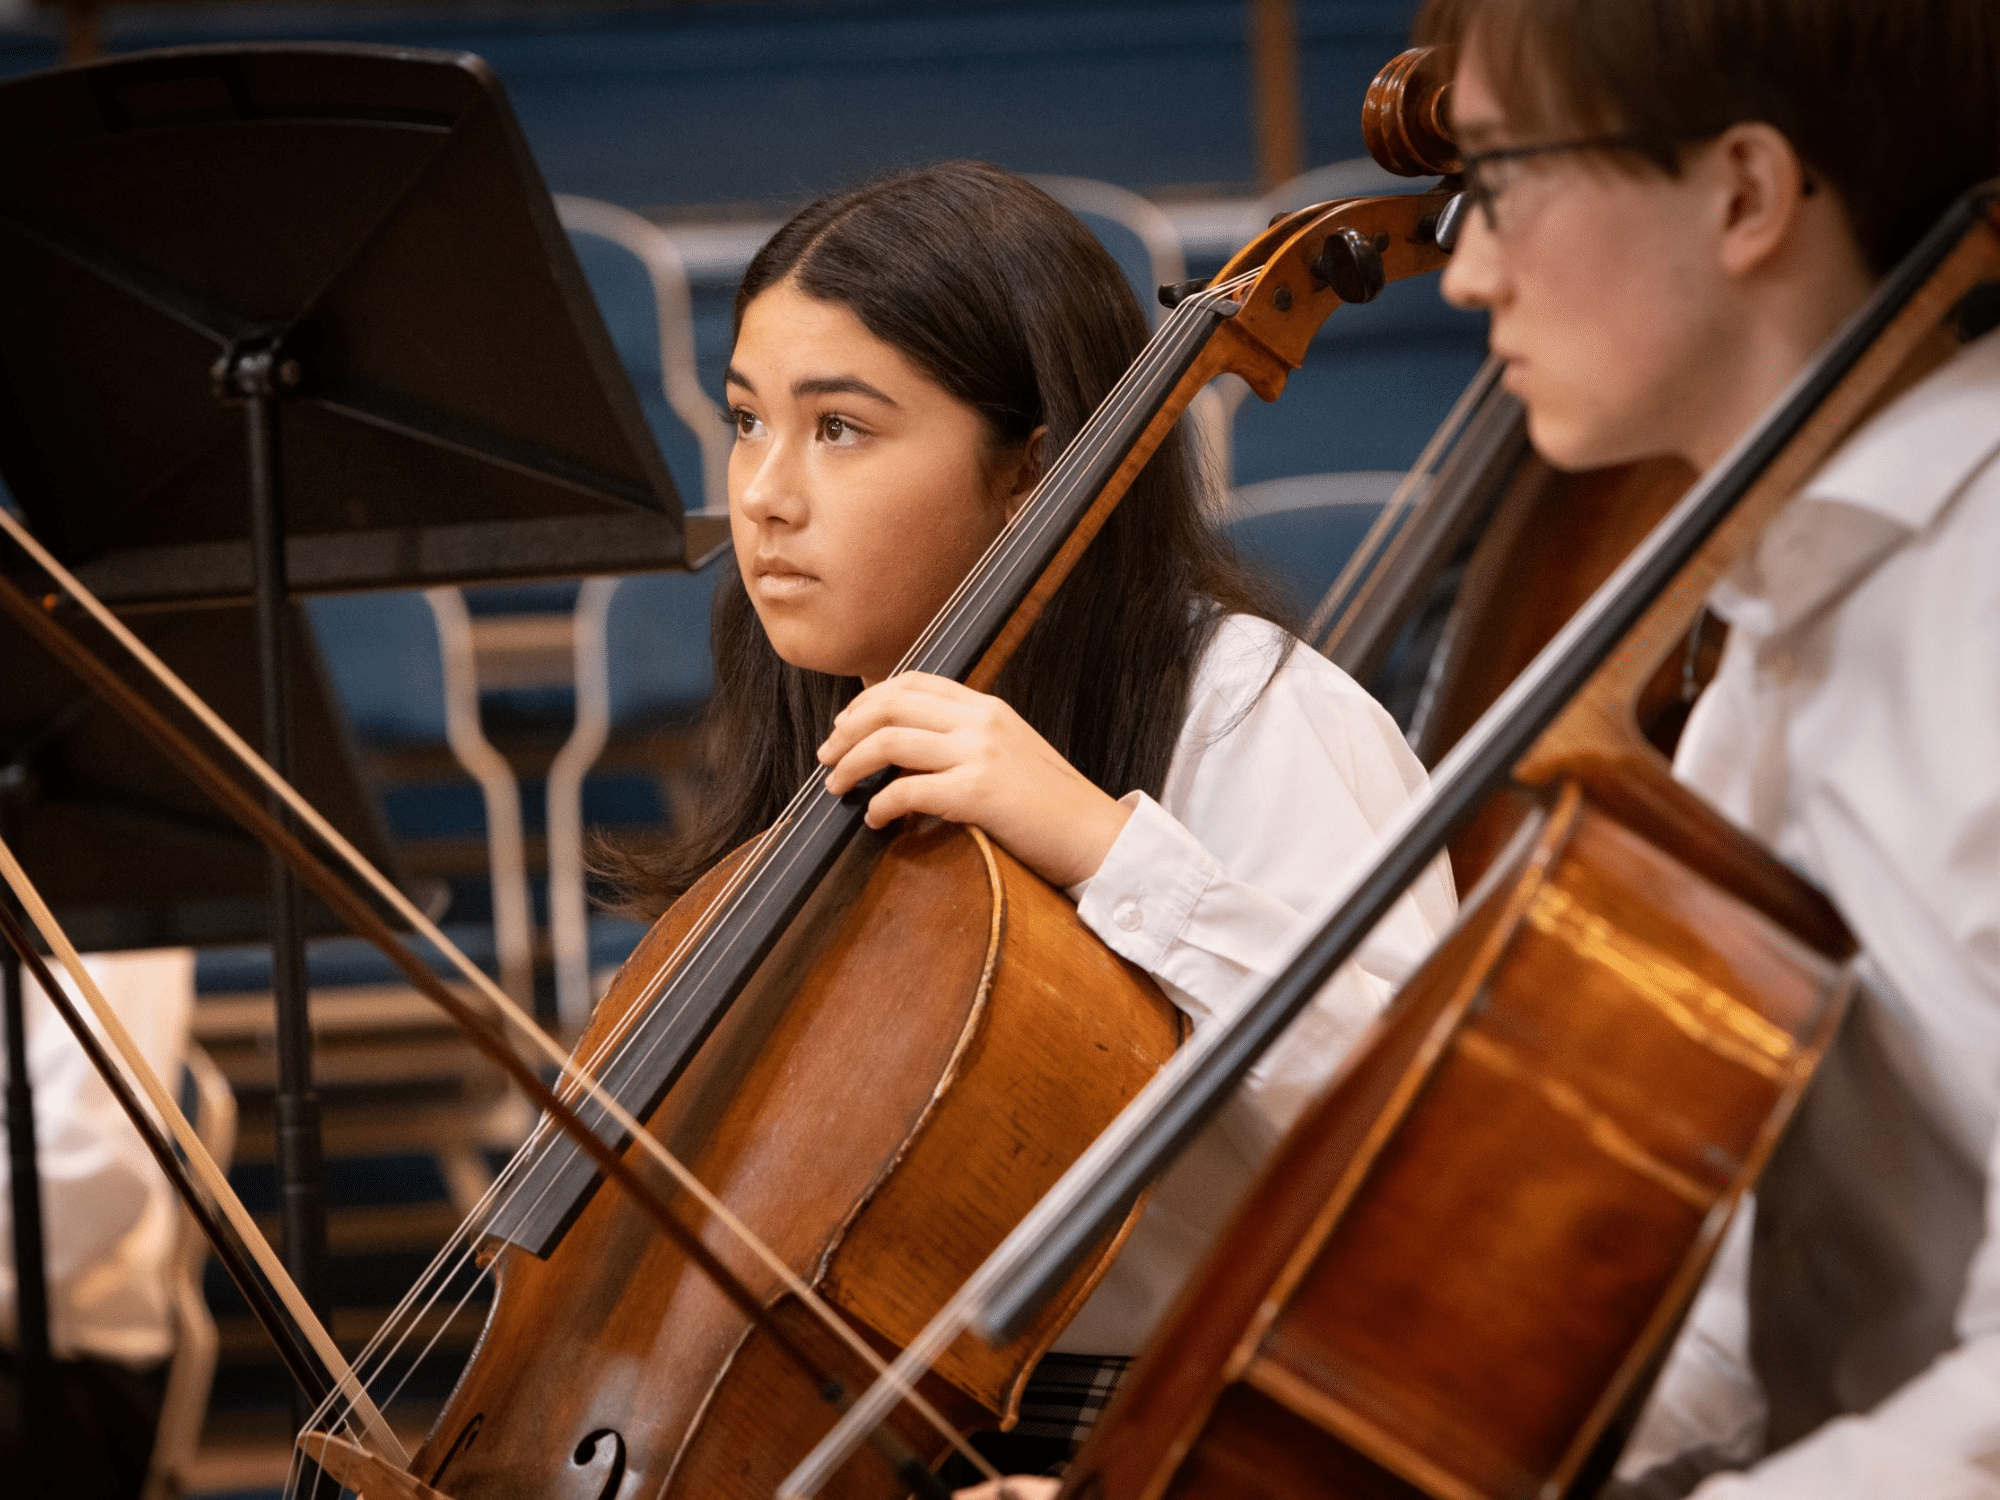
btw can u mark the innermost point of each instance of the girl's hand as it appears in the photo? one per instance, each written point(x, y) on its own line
point(1014, 1488)
point(970, 758)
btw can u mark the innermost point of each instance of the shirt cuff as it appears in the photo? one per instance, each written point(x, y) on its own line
point(1151, 878)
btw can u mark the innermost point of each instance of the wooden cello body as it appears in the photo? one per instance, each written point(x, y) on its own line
point(900, 1082)
point(1452, 1277)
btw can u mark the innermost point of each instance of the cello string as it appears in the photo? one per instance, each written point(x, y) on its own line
point(203, 1165)
point(509, 1015)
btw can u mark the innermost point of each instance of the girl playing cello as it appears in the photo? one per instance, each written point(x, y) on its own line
point(908, 356)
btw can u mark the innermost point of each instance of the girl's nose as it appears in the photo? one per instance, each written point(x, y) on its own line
point(764, 484)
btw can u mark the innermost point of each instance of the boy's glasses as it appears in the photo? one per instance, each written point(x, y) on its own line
point(1488, 174)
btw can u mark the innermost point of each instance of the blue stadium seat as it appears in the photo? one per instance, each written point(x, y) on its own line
point(1302, 531)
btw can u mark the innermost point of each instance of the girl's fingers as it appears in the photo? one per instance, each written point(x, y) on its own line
point(936, 793)
point(908, 749)
point(884, 705)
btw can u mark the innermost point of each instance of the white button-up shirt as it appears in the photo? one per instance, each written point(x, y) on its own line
point(108, 1215)
point(1854, 727)
point(1272, 794)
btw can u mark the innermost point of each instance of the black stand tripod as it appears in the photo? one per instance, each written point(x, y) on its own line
point(253, 373)
point(130, 855)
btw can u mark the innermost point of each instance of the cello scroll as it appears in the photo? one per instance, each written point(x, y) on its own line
point(1405, 119)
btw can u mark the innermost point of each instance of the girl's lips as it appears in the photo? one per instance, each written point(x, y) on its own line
point(777, 582)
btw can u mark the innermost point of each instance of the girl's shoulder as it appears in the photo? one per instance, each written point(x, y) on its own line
point(1260, 692)
point(1249, 659)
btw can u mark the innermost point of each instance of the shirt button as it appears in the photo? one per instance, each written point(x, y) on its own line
point(1128, 916)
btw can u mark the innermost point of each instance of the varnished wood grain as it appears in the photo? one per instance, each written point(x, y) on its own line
point(926, 1051)
point(1502, 1202)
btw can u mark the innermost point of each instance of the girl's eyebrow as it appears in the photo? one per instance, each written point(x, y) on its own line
point(819, 385)
point(840, 385)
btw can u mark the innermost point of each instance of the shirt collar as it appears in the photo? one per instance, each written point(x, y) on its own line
point(1882, 486)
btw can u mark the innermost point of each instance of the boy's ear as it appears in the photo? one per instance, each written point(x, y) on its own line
point(1765, 186)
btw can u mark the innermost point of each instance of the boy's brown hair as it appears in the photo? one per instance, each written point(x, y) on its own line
point(1893, 104)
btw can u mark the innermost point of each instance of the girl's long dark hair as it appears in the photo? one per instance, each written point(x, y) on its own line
point(1006, 300)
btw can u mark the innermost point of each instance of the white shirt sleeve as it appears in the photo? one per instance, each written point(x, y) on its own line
point(1279, 783)
point(108, 1215)
point(1275, 792)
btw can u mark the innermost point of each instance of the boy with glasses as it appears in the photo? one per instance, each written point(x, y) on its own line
point(1677, 203)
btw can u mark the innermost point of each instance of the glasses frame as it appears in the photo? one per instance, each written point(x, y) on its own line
point(1481, 195)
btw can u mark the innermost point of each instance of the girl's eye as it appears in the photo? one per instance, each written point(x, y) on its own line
point(745, 422)
point(837, 431)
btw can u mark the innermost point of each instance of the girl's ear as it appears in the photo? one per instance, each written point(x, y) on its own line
point(1021, 470)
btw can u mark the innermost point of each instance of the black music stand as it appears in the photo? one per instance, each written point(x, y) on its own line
point(130, 854)
point(301, 318)
point(127, 850)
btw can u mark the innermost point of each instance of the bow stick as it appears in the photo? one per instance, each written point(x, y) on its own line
point(200, 1167)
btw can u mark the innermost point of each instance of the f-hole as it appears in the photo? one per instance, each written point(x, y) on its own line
point(465, 1439)
point(602, 1452)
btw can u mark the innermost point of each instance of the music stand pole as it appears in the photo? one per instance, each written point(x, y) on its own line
point(34, 1361)
point(255, 373)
